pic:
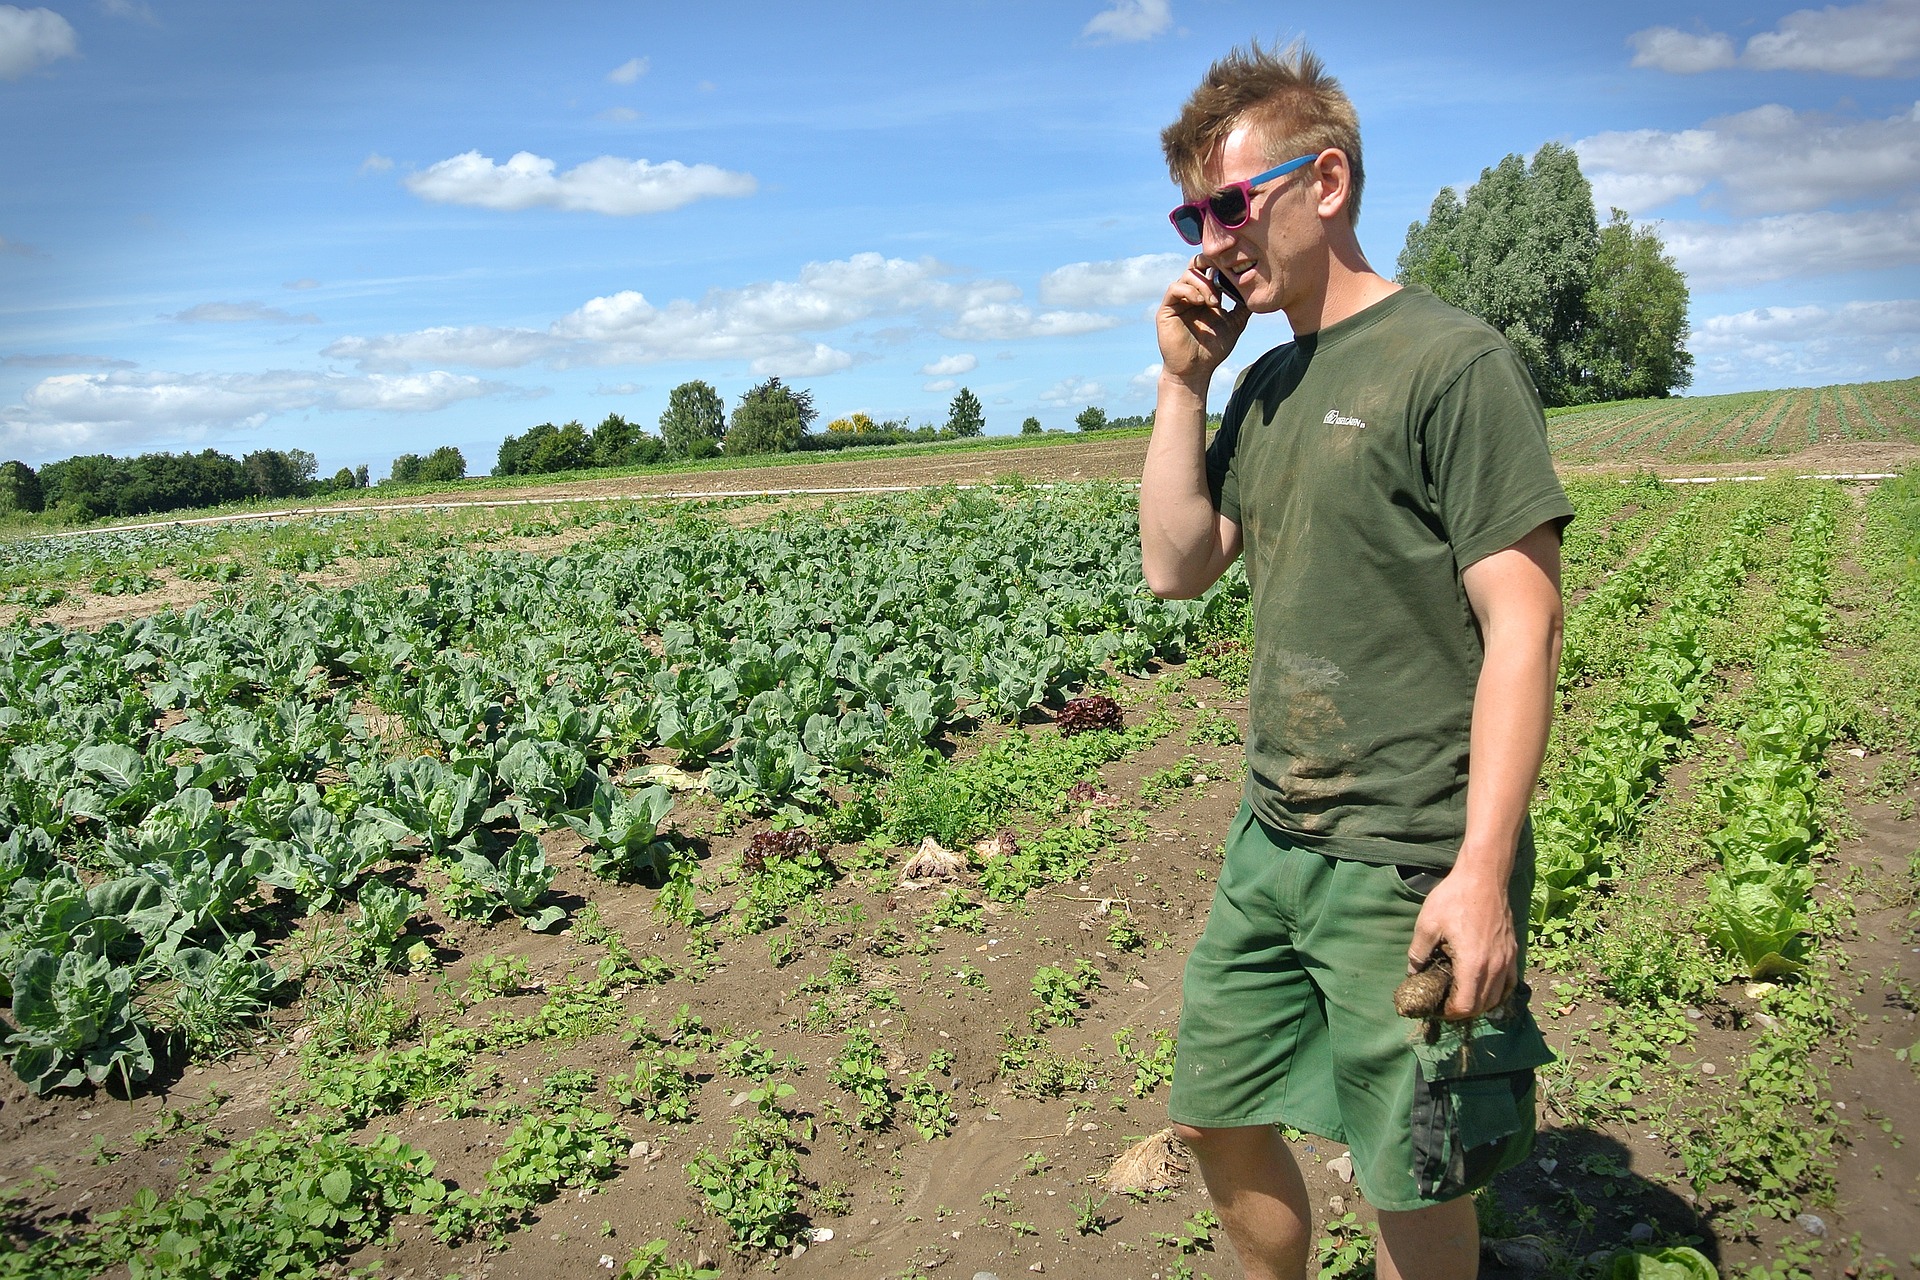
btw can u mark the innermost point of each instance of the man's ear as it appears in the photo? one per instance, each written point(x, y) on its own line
point(1335, 178)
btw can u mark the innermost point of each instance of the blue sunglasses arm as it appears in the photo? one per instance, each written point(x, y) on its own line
point(1279, 171)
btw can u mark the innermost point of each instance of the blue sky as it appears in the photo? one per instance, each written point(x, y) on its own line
point(367, 229)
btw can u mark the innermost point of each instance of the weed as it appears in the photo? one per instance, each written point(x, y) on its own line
point(1063, 993)
point(1122, 936)
point(1178, 776)
point(1212, 728)
point(1035, 1070)
point(1346, 1251)
point(1087, 1218)
point(1151, 1067)
point(931, 1108)
point(661, 1086)
point(955, 910)
point(745, 1059)
point(860, 1072)
point(1193, 1236)
point(753, 1187)
point(494, 975)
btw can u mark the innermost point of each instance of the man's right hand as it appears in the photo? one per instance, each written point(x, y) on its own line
point(1196, 336)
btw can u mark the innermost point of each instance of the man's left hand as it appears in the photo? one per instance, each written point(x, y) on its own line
point(1471, 915)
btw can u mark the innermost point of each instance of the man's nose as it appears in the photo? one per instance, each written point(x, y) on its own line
point(1215, 240)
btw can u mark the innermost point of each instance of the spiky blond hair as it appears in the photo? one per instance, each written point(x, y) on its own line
point(1288, 97)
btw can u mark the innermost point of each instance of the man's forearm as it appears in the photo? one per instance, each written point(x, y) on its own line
point(1179, 537)
point(1512, 711)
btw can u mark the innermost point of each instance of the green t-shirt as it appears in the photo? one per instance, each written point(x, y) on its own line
point(1367, 465)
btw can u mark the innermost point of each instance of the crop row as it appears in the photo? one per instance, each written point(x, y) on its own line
point(1594, 799)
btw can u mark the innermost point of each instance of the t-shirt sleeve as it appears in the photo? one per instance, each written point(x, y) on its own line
point(1489, 472)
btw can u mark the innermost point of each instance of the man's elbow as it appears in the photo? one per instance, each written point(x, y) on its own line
point(1168, 584)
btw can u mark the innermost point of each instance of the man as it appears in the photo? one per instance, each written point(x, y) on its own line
point(1386, 475)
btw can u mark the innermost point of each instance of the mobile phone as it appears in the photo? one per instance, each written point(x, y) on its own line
point(1230, 299)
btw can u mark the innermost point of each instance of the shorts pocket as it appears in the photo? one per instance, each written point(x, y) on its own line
point(1473, 1103)
point(1415, 883)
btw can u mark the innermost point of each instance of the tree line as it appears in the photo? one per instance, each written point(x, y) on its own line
point(98, 486)
point(771, 417)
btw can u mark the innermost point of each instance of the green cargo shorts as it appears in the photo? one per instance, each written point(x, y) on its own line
point(1287, 1018)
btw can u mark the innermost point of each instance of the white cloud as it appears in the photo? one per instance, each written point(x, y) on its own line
point(1146, 382)
point(940, 386)
point(1878, 38)
point(606, 184)
point(1126, 21)
point(802, 362)
point(240, 313)
point(619, 115)
point(1005, 321)
point(947, 366)
point(1117, 283)
point(629, 71)
point(1895, 317)
point(376, 163)
point(1874, 39)
point(1851, 342)
point(80, 410)
point(304, 282)
point(1666, 49)
point(1770, 159)
point(1718, 256)
point(760, 323)
point(620, 389)
point(33, 37)
point(1072, 391)
point(477, 346)
point(410, 393)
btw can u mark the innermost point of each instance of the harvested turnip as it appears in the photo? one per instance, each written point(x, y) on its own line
point(931, 863)
point(1424, 994)
point(1154, 1163)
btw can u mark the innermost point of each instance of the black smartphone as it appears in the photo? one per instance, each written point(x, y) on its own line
point(1230, 298)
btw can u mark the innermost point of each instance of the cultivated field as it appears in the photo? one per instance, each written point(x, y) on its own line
point(536, 893)
point(1829, 423)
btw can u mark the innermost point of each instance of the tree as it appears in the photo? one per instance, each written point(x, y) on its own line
point(278, 473)
point(619, 443)
point(1031, 427)
point(443, 464)
point(361, 479)
point(964, 416)
point(694, 421)
point(1522, 252)
point(855, 424)
point(770, 418)
point(405, 470)
point(342, 479)
point(1635, 345)
point(1091, 418)
point(19, 488)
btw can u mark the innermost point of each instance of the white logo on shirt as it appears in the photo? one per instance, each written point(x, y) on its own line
point(1335, 418)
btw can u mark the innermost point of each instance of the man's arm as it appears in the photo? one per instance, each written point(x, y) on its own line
point(1185, 545)
point(1515, 595)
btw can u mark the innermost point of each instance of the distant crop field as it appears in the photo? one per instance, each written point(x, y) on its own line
point(1746, 424)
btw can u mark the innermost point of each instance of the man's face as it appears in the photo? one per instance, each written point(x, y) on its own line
point(1263, 256)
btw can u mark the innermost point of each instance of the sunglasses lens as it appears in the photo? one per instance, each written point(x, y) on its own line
point(1187, 221)
point(1230, 207)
